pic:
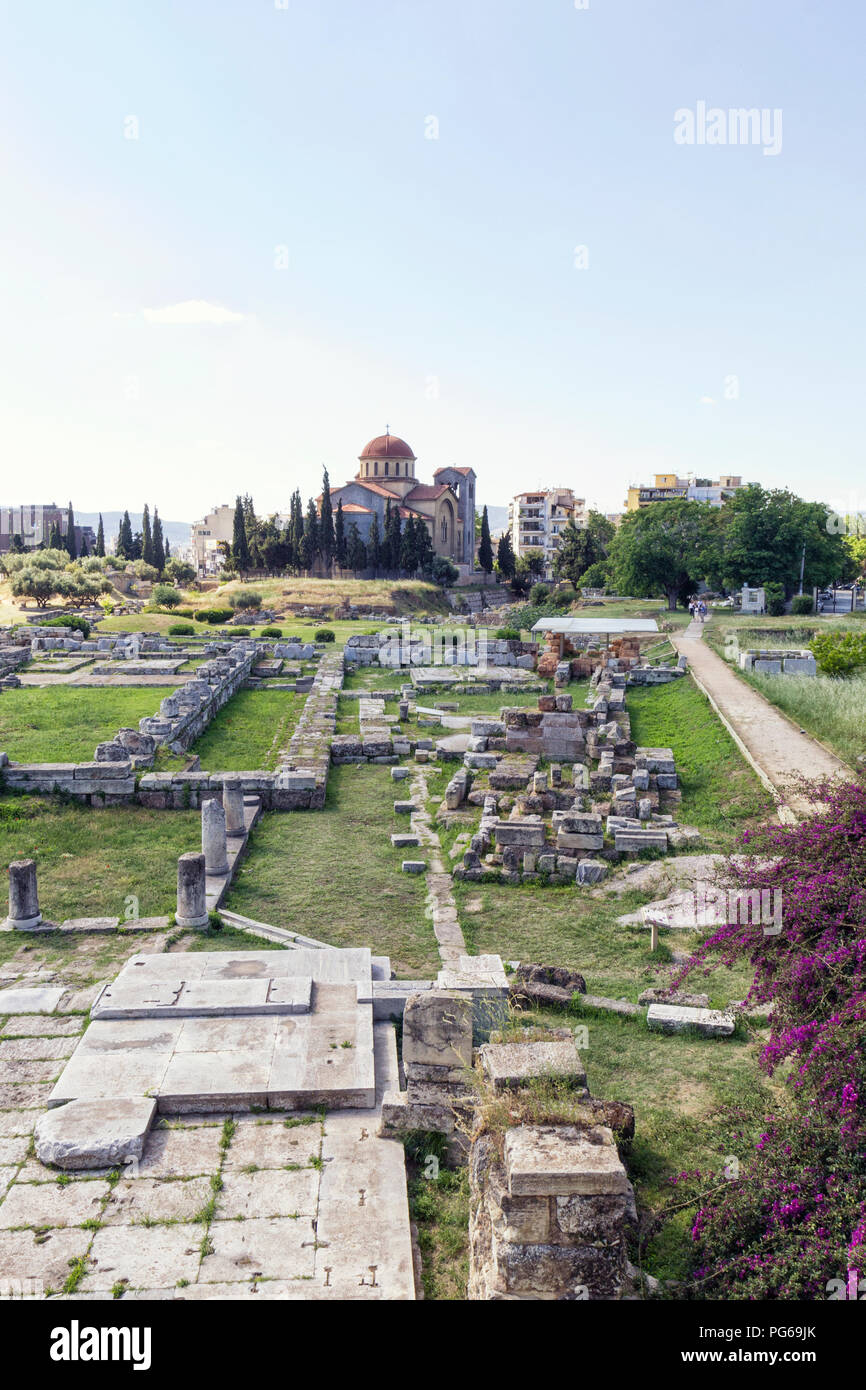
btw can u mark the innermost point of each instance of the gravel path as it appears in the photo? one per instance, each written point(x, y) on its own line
point(770, 742)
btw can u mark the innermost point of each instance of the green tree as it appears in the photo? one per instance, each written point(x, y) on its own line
point(580, 547)
point(100, 537)
point(391, 546)
point(125, 542)
point(55, 539)
point(485, 547)
point(341, 550)
point(374, 545)
point(159, 548)
point(310, 541)
point(424, 551)
point(666, 548)
point(356, 550)
point(505, 557)
point(240, 545)
point(70, 533)
point(763, 533)
point(146, 537)
point(409, 547)
point(327, 538)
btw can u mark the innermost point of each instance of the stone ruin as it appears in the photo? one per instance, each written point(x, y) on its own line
point(602, 798)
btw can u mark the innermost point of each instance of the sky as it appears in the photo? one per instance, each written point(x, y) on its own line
point(240, 237)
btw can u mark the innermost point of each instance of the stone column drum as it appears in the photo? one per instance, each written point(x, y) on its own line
point(233, 805)
point(191, 896)
point(213, 837)
point(24, 911)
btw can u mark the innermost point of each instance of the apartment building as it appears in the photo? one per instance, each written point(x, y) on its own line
point(668, 488)
point(536, 520)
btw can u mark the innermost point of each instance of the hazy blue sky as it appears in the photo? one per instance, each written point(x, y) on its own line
point(428, 283)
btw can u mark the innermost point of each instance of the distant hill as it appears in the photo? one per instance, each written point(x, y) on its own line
point(177, 533)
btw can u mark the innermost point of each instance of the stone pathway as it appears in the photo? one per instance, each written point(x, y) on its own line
point(768, 740)
point(440, 898)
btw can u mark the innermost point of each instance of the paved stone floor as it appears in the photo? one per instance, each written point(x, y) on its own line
point(294, 1205)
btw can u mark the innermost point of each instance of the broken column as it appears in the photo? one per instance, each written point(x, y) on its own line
point(24, 911)
point(213, 838)
point(233, 805)
point(191, 893)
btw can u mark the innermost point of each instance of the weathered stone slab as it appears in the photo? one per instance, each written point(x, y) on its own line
point(673, 1018)
point(509, 1065)
point(561, 1160)
point(437, 1029)
point(94, 1133)
point(30, 1001)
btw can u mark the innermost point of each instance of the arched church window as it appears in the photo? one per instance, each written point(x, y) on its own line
point(376, 468)
point(386, 468)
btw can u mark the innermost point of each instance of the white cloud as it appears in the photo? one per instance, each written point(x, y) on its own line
point(192, 311)
point(707, 400)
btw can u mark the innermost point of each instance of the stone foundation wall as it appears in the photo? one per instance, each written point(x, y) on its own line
point(548, 1215)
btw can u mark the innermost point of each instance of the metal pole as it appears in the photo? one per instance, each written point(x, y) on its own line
point(802, 566)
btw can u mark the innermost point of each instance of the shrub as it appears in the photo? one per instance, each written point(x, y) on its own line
point(508, 634)
point(246, 599)
point(181, 630)
point(442, 572)
point(78, 624)
point(165, 595)
point(324, 634)
point(240, 631)
point(837, 653)
point(775, 596)
point(538, 593)
point(793, 1219)
point(802, 603)
point(213, 615)
point(272, 632)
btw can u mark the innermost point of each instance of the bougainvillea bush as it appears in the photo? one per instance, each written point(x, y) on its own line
point(789, 1220)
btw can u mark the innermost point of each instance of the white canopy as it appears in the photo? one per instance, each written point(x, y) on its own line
point(575, 626)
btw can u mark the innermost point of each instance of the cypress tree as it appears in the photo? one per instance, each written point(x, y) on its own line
point(100, 537)
point(357, 551)
point(340, 547)
point(312, 536)
point(126, 545)
point(146, 537)
point(327, 539)
point(505, 556)
point(158, 548)
point(485, 547)
point(392, 537)
point(374, 545)
point(55, 539)
point(408, 548)
point(423, 546)
point(70, 533)
point(240, 548)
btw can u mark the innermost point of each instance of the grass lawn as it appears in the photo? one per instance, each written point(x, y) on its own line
point(89, 861)
point(250, 731)
point(831, 708)
point(676, 1083)
point(334, 875)
point(63, 724)
point(721, 794)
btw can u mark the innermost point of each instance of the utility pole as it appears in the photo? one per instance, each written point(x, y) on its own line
point(802, 566)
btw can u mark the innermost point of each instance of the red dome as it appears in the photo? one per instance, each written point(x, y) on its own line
point(386, 446)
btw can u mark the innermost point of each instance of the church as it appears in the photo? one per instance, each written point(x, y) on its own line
point(386, 472)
